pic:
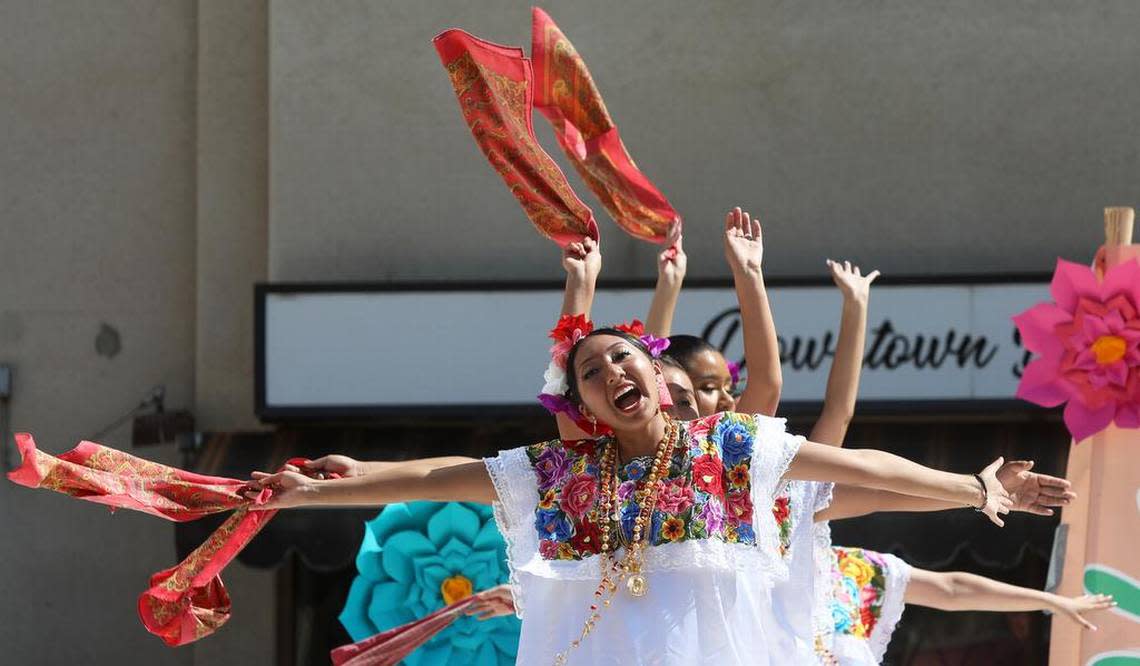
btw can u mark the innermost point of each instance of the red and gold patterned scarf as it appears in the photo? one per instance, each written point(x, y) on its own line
point(494, 86)
point(565, 93)
point(187, 601)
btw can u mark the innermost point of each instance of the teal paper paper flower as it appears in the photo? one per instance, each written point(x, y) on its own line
point(420, 556)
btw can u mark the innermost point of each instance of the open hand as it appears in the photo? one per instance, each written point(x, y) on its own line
point(583, 260)
point(743, 241)
point(1032, 492)
point(1076, 607)
point(997, 499)
point(671, 261)
point(851, 282)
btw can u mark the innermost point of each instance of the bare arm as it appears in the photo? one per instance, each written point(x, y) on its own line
point(851, 501)
point(843, 379)
point(885, 471)
point(744, 249)
point(400, 482)
point(346, 466)
point(671, 266)
point(959, 591)
point(583, 264)
point(1030, 492)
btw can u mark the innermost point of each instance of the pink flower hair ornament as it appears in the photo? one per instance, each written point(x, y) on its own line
point(1087, 343)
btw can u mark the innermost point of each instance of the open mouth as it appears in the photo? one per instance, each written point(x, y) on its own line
point(628, 399)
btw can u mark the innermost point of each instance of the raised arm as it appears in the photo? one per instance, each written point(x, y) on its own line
point(671, 266)
point(744, 249)
point(583, 264)
point(960, 591)
point(401, 482)
point(1030, 492)
point(885, 471)
point(843, 379)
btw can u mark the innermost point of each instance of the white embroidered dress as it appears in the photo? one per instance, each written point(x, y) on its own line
point(710, 566)
point(861, 585)
point(794, 600)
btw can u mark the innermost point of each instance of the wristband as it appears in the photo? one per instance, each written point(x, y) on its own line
point(985, 494)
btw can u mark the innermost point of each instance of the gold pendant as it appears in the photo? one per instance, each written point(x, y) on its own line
point(637, 585)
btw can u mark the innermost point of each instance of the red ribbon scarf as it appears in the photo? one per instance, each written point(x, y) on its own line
point(494, 86)
point(389, 647)
point(187, 601)
point(565, 93)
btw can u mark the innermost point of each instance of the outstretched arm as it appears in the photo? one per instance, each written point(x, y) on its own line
point(744, 249)
point(843, 379)
point(885, 471)
point(1030, 492)
point(583, 264)
point(401, 482)
point(671, 266)
point(960, 591)
point(346, 466)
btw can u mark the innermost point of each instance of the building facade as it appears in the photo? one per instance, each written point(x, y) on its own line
point(162, 158)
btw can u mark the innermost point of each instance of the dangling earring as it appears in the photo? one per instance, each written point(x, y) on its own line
point(594, 425)
point(663, 396)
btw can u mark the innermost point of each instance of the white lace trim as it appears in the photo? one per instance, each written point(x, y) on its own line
point(763, 569)
point(772, 451)
point(517, 488)
point(806, 499)
point(897, 578)
point(823, 495)
point(824, 559)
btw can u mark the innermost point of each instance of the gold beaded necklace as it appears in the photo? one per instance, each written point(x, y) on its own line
point(629, 567)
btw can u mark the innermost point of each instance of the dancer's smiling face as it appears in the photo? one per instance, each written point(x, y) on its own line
point(614, 380)
point(712, 382)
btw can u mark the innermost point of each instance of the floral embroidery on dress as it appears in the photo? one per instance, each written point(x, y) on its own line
point(858, 583)
point(782, 512)
point(706, 495)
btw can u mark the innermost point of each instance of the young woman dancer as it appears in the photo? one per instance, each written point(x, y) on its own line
point(584, 521)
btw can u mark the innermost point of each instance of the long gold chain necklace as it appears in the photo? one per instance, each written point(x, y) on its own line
point(629, 567)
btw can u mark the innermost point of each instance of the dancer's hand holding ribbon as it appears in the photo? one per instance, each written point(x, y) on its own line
point(672, 261)
point(290, 489)
point(583, 260)
point(327, 466)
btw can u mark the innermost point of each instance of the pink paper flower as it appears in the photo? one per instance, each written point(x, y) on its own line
point(1088, 348)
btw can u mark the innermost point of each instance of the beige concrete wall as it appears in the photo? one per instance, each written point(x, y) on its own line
point(96, 229)
point(131, 205)
point(232, 226)
point(918, 137)
point(232, 202)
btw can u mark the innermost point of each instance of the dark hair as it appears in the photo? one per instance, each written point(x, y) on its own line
point(571, 373)
point(668, 360)
point(683, 348)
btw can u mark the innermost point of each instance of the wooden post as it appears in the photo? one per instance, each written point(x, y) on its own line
point(1101, 529)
